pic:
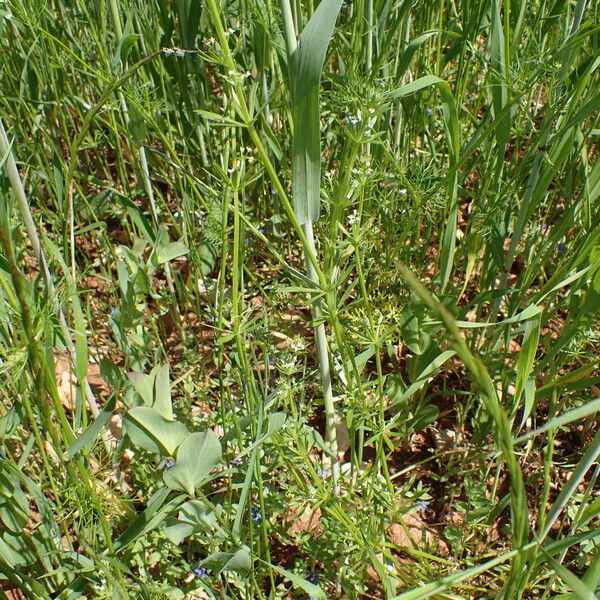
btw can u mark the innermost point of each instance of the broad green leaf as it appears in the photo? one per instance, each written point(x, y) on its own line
point(193, 517)
point(589, 408)
point(143, 385)
point(305, 66)
point(529, 312)
point(275, 422)
point(15, 551)
point(217, 119)
point(217, 562)
point(240, 562)
point(197, 455)
point(148, 429)
point(171, 251)
point(591, 577)
point(162, 392)
point(154, 389)
point(208, 256)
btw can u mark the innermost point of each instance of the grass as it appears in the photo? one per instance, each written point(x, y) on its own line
point(299, 299)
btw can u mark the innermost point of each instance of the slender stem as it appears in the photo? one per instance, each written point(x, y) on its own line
point(369, 52)
point(311, 259)
point(324, 368)
point(145, 172)
point(17, 185)
point(289, 28)
point(263, 155)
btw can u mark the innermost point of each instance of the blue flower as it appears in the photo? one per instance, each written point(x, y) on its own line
point(561, 248)
point(422, 505)
point(169, 464)
point(429, 111)
point(201, 572)
point(255, 515)
point(314, 579)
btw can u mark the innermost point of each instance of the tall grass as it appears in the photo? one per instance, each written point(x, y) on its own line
point(299, 299)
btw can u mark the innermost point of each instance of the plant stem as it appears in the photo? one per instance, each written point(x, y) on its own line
point(17, 185)
point(324, 368)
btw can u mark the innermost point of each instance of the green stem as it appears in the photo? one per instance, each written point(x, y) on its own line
point(324, 368)
point(215, 15)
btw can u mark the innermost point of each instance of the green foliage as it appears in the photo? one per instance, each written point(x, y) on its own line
point(181, 182)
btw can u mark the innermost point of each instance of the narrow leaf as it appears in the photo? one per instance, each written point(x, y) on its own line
point(305, 66)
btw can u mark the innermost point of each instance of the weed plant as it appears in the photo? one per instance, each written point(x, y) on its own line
point(299, 299)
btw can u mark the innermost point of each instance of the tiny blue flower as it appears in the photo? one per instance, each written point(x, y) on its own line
point(255, 515)
point(561, 248)
point(236, 462)
point(169, 464)
point(201, 572)
point(423, 504)
point(313, 578)
point(429, 111)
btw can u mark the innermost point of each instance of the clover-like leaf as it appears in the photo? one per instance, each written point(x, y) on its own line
point(193, 517)
point(239, 561)
point(150, 430)
point(197, 455)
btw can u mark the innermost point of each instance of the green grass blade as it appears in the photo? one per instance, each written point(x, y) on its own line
point(589, 408)
point(305, 66)
point(570, 488)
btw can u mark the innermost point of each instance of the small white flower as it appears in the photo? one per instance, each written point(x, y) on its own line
point(357, 118)
point(351, 219)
